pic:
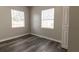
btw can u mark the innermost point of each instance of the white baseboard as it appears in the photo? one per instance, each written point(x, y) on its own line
point(64, 46)
point(46, 37)
point(13, 37)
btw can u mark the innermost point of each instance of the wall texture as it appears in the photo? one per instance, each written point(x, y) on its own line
point(55, 33)
point(6, 30)
point(74, 29)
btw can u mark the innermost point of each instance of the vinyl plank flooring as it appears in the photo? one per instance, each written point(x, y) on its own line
point(30, 43)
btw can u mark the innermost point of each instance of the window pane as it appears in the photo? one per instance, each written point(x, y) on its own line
point(17, 18)
point(47, 18)
point(48, 14)
point(48, 24)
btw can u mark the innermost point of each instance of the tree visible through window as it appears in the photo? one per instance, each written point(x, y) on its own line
point(47, 18)
point(17, 18)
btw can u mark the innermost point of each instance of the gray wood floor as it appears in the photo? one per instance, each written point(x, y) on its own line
point(30, 43)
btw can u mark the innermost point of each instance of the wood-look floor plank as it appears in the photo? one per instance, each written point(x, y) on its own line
point(30, 43)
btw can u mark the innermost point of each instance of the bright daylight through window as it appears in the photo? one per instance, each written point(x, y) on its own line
point(47, 18)
point(17, 18)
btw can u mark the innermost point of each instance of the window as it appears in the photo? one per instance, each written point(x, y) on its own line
point(17, 18)
point(47, 18)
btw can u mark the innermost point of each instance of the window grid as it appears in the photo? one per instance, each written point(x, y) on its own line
point(17, 18)
point(47, 18)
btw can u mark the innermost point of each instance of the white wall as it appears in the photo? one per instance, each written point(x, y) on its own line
point(55, 33)
point(6, 30)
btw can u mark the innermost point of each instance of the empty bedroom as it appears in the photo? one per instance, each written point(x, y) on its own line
point(34, 28)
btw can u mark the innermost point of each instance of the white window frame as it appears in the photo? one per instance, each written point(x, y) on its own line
point(46, 19)
point(20, 16)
